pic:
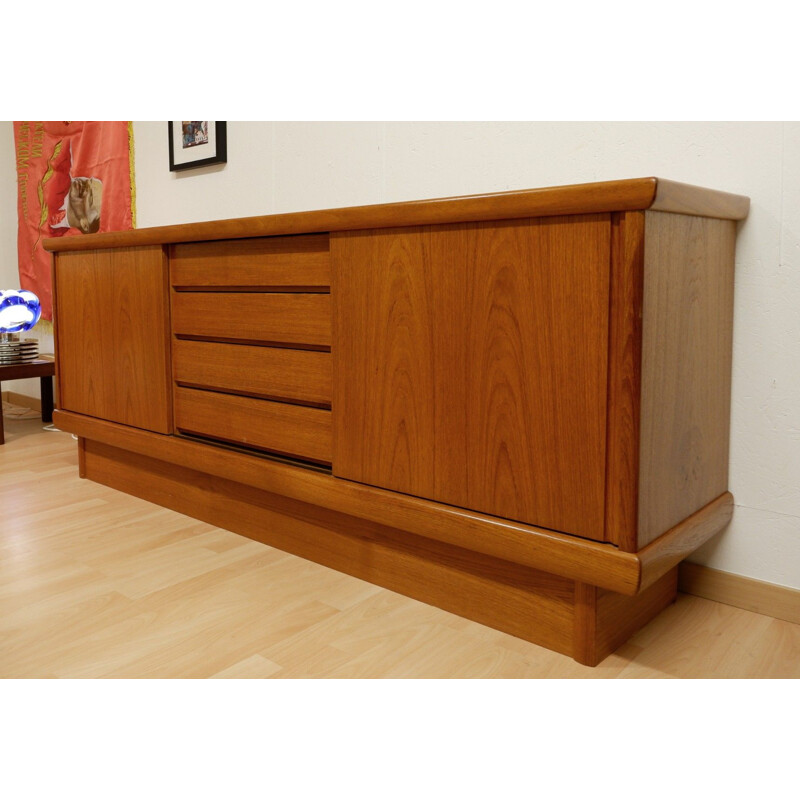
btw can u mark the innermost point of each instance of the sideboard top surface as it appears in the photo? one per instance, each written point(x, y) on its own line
point(635, 194)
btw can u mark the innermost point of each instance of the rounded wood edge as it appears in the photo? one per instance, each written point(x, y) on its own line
point(635, 194)
point(586, 198)
point(683, 198)
point(672, 547)
point(560, 554)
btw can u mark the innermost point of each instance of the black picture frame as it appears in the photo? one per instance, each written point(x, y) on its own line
point(210, 145)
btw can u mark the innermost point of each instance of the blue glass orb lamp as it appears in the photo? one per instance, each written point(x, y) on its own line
point(20, 310)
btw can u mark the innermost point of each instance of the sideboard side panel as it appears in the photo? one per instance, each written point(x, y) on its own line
point(686, 367)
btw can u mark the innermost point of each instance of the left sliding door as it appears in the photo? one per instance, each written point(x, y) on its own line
point(113, 335)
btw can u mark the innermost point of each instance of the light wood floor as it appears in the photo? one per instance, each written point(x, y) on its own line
point(94, 583)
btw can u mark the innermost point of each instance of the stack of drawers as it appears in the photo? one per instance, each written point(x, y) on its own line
point(251, 323)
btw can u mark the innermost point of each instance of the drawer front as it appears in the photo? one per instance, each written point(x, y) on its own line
point(281, 428)
point(281, 263)
point(302, 376)
point(300, 320)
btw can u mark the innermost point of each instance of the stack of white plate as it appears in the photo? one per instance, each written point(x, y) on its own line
point(18, 352)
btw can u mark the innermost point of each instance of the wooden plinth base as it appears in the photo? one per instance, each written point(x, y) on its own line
point(570, 617)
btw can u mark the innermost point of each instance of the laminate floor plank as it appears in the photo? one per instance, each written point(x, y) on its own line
point(96, 583)
point(255, 666)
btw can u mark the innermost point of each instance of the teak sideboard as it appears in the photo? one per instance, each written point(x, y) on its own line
point(512, 406)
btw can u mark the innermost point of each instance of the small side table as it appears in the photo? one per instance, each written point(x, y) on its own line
point(40, 368)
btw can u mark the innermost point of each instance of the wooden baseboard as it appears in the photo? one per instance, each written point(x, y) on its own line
point(770, 599)
point(23, 400)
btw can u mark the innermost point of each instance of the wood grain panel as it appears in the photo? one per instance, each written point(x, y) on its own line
point(282, 428)
point(584, 635)
point(624, 379)
point(278, 263)
point(536, 374)
point(384, 364)
point(472, 366)
point(287, 319)
point(526, 603)
point(687, 334)
point(112, 317)
point(269, 372)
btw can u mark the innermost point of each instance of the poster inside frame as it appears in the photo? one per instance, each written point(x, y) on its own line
point(196, 144)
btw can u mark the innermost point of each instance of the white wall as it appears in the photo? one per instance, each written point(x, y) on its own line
point(9, 273)
point(277, 167)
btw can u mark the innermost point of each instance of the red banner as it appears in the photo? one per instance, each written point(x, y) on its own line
point(73, 179)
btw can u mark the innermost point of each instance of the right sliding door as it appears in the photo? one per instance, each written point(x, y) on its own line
point(470, 365)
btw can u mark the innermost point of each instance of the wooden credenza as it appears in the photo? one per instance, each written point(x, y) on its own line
point(512, 406)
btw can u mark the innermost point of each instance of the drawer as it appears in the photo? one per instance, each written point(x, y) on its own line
point(270, 372)
point(281, 263)
point(282, 428)
point(302, 320)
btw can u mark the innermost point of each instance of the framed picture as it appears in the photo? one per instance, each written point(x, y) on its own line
point(196, 144)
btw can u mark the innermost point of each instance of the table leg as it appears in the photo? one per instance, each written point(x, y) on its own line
point(2, 432)
point(46, 383)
